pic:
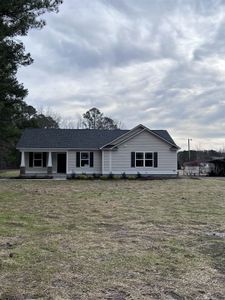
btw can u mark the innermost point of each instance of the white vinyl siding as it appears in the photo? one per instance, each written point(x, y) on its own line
point(106, 163)
point(143, 142)
point(97, 167)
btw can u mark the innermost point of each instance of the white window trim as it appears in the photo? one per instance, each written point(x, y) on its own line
point(144, 159)
point(38, 159)
point(87, 166)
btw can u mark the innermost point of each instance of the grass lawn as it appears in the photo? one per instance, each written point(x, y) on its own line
point(9, 173)
point(112, 239)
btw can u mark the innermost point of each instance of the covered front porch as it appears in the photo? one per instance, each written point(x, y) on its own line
point(39, 162)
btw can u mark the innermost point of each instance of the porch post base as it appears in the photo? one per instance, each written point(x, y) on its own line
point(49, 170)
point(22, 170)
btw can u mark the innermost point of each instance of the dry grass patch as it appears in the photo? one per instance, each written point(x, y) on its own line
point(112, 239)
point(9, 173)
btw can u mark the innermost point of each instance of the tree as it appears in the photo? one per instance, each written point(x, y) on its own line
point(94, 119)
point(26, 117)
point(108, 123)
point(41, 121)
point(16, 18)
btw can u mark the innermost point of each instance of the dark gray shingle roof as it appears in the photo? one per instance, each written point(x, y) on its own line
point(74, 138)
point(165, 135)
point(67, 138)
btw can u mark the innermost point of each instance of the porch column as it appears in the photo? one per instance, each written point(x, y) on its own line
point(22, 163)
point(49, 166)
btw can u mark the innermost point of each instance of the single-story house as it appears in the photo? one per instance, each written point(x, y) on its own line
point(91, 151)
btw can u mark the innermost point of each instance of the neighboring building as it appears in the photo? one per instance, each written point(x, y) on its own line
point(217, 166)
point(69, 151)
point(196, 168)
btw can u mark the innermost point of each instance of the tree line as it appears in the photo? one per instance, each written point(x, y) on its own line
point(16, 18)
point(198, 155)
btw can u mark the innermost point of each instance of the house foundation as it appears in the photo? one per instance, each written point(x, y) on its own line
point(22, 170)
point(49, 170)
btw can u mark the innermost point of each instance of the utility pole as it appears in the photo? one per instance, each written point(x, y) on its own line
point(189, 152)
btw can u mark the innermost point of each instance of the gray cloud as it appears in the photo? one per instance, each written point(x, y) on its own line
point(160, 63)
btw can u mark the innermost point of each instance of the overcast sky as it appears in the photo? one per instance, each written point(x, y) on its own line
point(156, 62)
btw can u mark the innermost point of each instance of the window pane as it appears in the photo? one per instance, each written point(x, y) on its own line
point(139, 155)
point(148, 163)
point(139, 163)
point(148, 155)
point(84, 155)
point(84, 163)
point(37, 155)
point(38, 163)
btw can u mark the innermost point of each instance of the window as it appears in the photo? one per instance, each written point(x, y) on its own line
point(144, 159)
point(38, 159)
point(84, 159)
point(148, 159)
point(139, 159)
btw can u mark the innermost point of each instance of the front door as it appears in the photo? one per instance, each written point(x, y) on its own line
point(61, 163)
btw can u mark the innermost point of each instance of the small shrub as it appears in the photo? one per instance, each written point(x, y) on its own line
point(82, 176)
point(123, 175)
point(131, 177)
point(73, 176)
point(104, 177)
point(95, 176)
point(139, 176)
point(110, 176)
